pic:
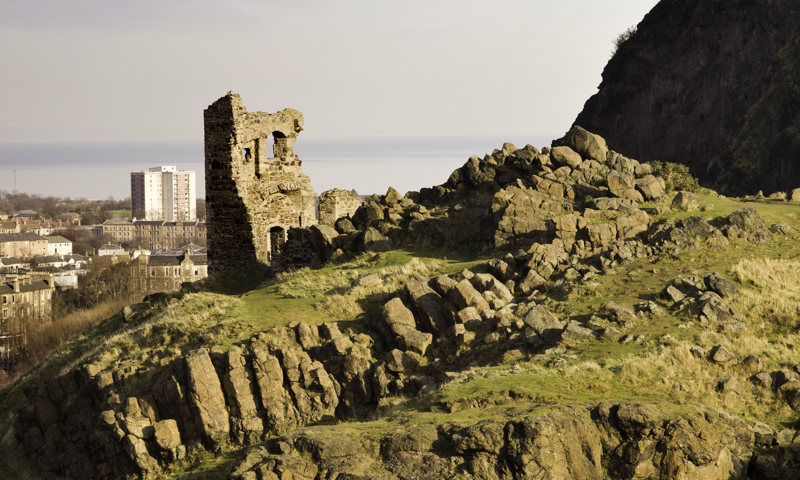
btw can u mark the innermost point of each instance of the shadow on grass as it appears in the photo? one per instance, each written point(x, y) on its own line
point(232, 282)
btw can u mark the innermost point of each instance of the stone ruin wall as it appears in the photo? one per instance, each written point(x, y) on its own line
point(337, 203)
point(254, 193)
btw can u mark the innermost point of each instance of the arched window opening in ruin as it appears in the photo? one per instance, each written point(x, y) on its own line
point(277, 237)
point(279, 147)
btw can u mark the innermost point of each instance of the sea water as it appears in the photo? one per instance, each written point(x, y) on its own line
point(100, 170)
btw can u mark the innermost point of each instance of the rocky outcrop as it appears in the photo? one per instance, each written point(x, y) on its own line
point(560, 216)
point(744, 224)
point(708, 84)
point(705, 298)
point(290, 377)
point(579, 191)
point(606, 440)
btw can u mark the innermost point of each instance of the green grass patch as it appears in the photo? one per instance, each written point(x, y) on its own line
point(207, 467)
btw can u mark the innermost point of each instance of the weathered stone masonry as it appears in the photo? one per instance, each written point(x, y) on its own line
point(253, 195)
point(337, 203)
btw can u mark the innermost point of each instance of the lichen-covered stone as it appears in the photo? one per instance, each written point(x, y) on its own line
point(588, 144)
point(335, 204)
point(565, 156)
point(686, 201)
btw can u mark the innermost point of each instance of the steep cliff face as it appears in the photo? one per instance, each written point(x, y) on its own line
point(712, 84)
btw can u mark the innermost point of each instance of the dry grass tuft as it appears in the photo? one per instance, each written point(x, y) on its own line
point(772, 293)
point(195, 320)
point(44, 339)
point(354, 300)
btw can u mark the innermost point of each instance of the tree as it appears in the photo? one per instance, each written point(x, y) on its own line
point(201, 209)
point(623, 37)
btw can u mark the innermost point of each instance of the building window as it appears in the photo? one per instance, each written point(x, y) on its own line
point(5, 299)
point(5, 313)
point(152, 272)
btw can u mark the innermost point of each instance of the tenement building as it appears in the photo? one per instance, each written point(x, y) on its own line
point(165, 271)
point(25, 301)
point(23, 245)
point(255, 189)
point(164, 193)
point(155, 234)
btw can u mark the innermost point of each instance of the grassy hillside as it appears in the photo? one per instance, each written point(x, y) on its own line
point(653, 361)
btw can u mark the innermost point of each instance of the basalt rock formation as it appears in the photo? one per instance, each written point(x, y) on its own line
point(605, 440)
point(710, 84)
point(101, 422)
point(578, 192)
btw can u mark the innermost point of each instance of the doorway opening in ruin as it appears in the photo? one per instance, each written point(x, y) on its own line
point(277, 237)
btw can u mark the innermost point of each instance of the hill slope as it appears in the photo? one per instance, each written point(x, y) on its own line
point(635, 335)
point(710, 84)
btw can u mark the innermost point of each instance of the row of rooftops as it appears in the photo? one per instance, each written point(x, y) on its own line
point(26, 223)
point(193, 249)
point(32, 237)
point(72, 258)
point(134, 222)
point(175, 260)
point(34, 214)
point(24, 283)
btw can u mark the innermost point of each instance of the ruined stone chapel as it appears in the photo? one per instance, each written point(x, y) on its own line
point(255, 188)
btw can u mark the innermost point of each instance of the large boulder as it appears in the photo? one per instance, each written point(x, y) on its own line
point(544, 323)
point(602, 234)
point(401, 323)
point(686, 201)
point(428, 305)
point(749, 224)
point(652, 188)
point(398, 317)
point(619, 183)
point(721, 285)
point(375, 241)
point(565, 156)
point(207, 399)
point(628, 226)
point(587, 144)
point(465, 295)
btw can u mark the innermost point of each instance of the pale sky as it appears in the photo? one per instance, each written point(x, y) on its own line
point(144, 70)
